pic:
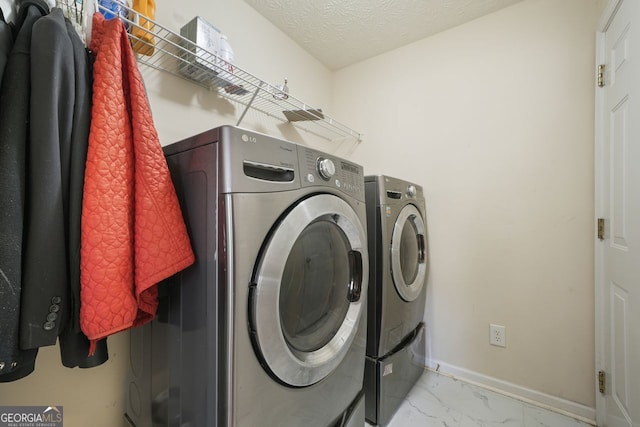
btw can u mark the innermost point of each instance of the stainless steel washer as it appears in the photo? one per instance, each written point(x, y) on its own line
point(268, 327)
point(397, 236)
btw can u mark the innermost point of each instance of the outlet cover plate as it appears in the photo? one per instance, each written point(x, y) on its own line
point(497, 335)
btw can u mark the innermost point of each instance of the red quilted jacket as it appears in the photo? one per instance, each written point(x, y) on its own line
point(133, 232)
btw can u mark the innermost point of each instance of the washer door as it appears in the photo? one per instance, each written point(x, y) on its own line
point(306, 306)
point(408, 253)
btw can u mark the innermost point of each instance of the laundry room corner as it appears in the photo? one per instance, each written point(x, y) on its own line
point(494, 119)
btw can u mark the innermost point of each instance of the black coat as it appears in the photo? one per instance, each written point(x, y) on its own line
point(56, 146)
point(59, 129)
point(74, 345)
point(14, 131)
point(6, 43)
point(45, 278)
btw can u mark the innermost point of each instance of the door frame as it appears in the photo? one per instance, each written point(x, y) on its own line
point(600, 207)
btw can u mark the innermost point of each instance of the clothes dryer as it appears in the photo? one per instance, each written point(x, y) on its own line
point(268, 327)
point(397, 239)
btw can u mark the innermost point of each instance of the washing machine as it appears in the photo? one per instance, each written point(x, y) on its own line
point(397, 241)
point(268, 327)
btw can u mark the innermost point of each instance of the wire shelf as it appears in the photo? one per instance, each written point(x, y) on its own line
point(181, 57)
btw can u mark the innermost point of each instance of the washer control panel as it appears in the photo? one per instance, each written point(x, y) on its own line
point(318, 168)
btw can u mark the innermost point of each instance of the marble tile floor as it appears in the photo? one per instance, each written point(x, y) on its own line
point(442, 401)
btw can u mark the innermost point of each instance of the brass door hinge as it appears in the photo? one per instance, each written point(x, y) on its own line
point(601, 381)
point(601, 228)
point(601, 75)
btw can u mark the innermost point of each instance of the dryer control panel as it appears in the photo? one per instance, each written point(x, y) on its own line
point(321, 169)
point(394, 191)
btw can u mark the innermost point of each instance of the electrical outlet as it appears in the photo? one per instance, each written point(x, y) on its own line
point(497, 335)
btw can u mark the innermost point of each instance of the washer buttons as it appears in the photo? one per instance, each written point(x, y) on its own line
point(48, 326)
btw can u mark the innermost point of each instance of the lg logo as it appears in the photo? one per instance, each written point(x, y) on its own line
point(247, 138)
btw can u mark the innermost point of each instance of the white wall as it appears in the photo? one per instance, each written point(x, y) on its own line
point(495, 120)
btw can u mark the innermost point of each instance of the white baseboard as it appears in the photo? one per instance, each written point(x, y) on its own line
point(566, 407)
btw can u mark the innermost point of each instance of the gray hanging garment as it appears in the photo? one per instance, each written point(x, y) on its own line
point(14, 117)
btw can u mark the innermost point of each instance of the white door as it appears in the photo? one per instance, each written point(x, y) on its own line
point(618, 203)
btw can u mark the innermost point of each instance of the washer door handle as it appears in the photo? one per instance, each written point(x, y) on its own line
point(354, 289)
point(421, 249)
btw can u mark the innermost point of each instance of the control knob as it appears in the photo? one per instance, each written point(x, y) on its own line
point(326, 168)
point(411, 191)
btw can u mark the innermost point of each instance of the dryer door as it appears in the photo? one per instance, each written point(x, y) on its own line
point(408, 253)
point(306, 298)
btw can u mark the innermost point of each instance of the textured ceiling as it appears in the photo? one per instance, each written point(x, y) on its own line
point(342, 32)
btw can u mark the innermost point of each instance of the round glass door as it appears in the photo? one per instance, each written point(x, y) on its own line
point(306, 304)
point(408, 253)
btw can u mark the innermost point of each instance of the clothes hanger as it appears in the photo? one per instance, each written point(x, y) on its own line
point(80, 13)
